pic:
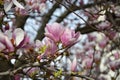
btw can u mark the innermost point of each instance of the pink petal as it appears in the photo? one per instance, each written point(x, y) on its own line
point(8, 44)
point(55, 30)
point(18, 35)
point(74, 65)
point(2, 46)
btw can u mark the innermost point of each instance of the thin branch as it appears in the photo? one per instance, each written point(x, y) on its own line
point(77, 15)
point(46, 19)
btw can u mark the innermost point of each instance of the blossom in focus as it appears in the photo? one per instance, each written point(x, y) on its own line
point(20, 38)
point(54, 31)
point(51, 47)
point(69, 37)
point(9, 40)
point(6, 43)
point(46, 47)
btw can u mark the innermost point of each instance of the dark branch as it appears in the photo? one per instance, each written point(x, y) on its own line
point(46, 18)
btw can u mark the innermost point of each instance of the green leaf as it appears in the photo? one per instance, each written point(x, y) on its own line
point(58, 73)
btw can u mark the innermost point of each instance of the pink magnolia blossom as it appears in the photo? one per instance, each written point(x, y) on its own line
point(112, 34)
point(87, 61)
point(54, 31)
point(6, 43)
point(51, 47)
point(104, 25)
point(47, 47)
point(69, 37)
point(114, 65)
point(9, 40)
point(103, 42)
point(17, 77)
point(20, 38)
point(116, 55)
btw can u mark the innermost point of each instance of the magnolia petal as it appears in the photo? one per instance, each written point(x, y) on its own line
point(18, 35)
point(2, 37)
point(2, 46)
point(38, 44)
point(8, 44)
point(77, 35)
point(74, 65)
point(24, 42)
point(17, 4)
point(7, 6)
point(50, 36)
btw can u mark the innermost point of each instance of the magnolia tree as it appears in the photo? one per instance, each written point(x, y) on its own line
point(71, 39)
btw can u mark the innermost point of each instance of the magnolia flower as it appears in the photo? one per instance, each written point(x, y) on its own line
point(114, 65)
point(104, 25)
point(9, 3)
point(20, 38)
point(87, 62)
point(9, 40)
point(5, 42)
point(51, 47)
point(54, 31)
point(46, 47)
point(69, 37)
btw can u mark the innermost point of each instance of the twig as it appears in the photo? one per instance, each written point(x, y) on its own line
point(77, 15)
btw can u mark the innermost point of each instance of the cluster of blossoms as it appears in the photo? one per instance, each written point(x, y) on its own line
point(11, 40)
point(24, 7)
point(97, 55)
point(57, 37)
point(57, 40)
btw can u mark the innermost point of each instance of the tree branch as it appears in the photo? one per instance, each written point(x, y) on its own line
point(46, 18)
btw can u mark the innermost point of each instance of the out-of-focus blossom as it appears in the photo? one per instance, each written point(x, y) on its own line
point(104, 25)
point(102, 43)
point(112, 34)
point(87, 62)
point(69, 37)
point(54, 31)
point(97, 56)
point(17, 77)
point(9, 3)
point(36, 5)
point(114, 65)
point(74, 65)
point(116, 55)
